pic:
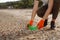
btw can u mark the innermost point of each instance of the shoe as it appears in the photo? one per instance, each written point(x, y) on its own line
point(52, 25)
point(45, 23)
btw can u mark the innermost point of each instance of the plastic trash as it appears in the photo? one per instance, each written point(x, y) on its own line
point(32, 28)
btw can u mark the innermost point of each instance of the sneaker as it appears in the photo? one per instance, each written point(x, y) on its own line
point(52, 25)
point(45, 23)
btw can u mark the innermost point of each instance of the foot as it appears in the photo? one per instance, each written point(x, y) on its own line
point(45, 23)
point(52, 25)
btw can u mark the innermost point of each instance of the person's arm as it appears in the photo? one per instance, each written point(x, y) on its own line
point(35, 8)
point(41, 22)
point(50, 5)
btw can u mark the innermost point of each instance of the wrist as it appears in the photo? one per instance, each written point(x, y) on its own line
point(43, 19)
point(32, 18)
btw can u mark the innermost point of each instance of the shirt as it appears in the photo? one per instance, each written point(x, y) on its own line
point(44, 2)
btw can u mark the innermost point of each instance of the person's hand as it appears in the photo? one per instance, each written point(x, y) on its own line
point(40, 24)
point(30, 23)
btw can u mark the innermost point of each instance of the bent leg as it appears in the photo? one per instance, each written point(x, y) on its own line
point(41, 11)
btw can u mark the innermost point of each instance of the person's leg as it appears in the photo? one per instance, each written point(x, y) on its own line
point(54, 14)
point(41, 11)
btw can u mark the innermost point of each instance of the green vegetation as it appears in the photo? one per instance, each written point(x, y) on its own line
point(18, 4)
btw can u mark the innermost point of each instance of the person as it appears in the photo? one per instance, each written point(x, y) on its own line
point(48, 7)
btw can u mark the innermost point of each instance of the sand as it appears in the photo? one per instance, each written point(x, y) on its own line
point(13, 26)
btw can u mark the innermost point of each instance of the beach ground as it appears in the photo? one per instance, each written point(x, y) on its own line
point(13, 26)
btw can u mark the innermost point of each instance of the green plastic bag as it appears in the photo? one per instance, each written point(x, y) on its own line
point(32, 28)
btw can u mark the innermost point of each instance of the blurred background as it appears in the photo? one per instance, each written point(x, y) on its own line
point(16, 4)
